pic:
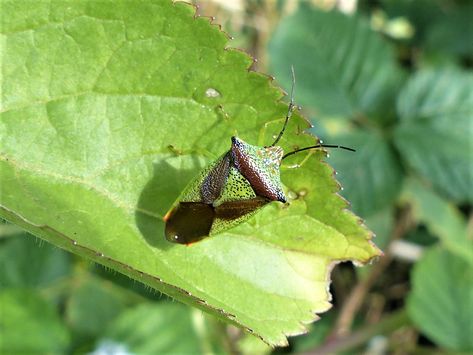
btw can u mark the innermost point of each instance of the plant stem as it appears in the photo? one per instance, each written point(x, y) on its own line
point(358, 294)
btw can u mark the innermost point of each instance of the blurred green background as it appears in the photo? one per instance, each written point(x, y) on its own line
point(392, 79)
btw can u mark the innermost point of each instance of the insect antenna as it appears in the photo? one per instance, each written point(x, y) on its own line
point(288, 116)
point(290, 109)
point(317, 146)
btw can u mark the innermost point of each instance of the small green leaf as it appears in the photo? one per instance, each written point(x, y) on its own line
point(434, 136)
point(421, 13)
point(451, 33)
point(107, 116)
point(441, 217)
point(382, 223)
point(29, 262)
point(29, 324)
point(161, 328)
point(343, 68)
point(92, 306)
point(439, 29)
point(441, 302)
point(249, 345)
point(317, 334)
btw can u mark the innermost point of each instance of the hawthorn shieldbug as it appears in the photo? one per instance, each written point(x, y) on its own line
point(231, 189)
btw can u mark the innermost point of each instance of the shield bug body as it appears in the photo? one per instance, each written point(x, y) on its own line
point(227, 192)
point(230, 190)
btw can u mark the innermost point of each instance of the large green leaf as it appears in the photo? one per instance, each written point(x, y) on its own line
point(344, 68)
point(441, 302)
point(110, 108)
point(435, 134)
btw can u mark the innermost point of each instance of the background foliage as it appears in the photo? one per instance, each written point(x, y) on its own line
point(391, 79)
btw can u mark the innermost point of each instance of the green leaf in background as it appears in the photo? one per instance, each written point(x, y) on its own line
point(28, 262)
point(441, 303)
point(435, 134)
point(161, 328)
point(110, 108)
point(93, 304)
point(441, 217)
point(451, 34)
point(317, 334)
point(29, 324)
point(371, 176)
point(343, 68)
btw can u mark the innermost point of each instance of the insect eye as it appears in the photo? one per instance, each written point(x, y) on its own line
point(180, 239)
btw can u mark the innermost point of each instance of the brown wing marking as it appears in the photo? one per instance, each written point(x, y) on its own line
point(231, 210)
point(189, 222)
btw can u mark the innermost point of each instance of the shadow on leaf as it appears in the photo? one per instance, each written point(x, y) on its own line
point(170, 177)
